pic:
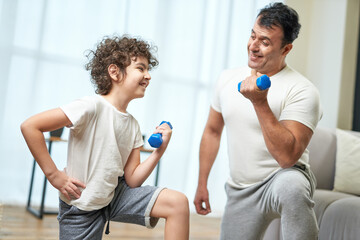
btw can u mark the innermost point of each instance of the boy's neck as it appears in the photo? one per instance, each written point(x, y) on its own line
point(119, 102)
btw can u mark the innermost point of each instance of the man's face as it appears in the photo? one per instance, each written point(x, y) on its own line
point(265, 51)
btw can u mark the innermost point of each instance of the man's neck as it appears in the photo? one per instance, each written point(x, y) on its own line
point(274, 71)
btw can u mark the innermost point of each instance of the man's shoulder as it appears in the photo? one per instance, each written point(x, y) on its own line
point(294, 77)
point(294, 73)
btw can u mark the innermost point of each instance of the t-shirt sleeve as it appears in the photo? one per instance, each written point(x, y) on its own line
point(303, 106)
point(138, 137)
point(79, 112)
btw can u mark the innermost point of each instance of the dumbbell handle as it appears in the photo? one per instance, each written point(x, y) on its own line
point(263, 82)
point(155, 140)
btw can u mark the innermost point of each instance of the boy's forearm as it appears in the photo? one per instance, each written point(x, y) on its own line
point(143, 170)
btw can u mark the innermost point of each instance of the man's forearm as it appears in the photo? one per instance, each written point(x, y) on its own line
point(279, 140)
point(209, 148)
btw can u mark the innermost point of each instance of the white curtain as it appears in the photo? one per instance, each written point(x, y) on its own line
point(42, 59)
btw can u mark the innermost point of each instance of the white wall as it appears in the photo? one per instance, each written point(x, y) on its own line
point(325, 52)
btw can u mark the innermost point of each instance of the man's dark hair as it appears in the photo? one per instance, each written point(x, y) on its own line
point(283, 16)
point(119, 51)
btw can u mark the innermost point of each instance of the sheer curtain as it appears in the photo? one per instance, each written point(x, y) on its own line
point(42, 66)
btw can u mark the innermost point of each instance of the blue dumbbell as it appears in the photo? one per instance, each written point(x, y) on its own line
point(263, 82)
point(155, 140)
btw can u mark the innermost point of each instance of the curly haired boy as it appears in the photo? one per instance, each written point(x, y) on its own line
point(103, 177)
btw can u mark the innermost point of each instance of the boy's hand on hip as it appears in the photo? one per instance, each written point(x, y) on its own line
point(68, 186)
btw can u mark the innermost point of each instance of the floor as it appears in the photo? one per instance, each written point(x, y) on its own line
point(17, 223)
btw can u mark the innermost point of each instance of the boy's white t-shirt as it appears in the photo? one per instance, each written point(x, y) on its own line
point(290, 97)
point(100, 141)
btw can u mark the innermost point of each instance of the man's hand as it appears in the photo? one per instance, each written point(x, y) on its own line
point(66, 185)
point(201, 197)
point(250, 90)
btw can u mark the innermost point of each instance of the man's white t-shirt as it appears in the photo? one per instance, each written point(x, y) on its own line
point(290, 97)
point(100, 142)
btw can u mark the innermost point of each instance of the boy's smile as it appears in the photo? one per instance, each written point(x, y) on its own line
point(128, 85)
point(137, 77)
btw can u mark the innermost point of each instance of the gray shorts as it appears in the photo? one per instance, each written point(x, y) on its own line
point(129, 205)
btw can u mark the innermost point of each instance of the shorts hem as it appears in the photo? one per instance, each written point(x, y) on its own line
point(150, 222)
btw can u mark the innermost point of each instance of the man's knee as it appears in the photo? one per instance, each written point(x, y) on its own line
point(293, 188)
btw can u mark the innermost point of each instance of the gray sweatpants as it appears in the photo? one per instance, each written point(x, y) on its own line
point(287, 194)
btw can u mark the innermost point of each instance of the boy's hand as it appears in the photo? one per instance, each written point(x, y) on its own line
point(166, 132)
point(66, 185)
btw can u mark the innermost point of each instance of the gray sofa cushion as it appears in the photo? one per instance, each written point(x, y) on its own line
point(324, 198)
point(322, 154)
point(341, 220)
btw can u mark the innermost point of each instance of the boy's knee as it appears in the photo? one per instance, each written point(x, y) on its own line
point(182, 201)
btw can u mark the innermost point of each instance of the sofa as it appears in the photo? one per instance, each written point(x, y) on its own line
point(337, 213)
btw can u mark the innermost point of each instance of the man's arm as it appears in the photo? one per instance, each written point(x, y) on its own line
point(209, 147)
point(286, 140)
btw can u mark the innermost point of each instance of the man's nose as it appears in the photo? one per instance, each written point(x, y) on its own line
point(254, 46)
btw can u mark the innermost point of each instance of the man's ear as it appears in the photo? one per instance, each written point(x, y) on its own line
point(287, 48)
point(114, 72)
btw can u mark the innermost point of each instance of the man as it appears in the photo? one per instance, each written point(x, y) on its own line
point(267, 134)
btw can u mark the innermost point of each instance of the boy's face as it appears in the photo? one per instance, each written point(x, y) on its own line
point(137, 77)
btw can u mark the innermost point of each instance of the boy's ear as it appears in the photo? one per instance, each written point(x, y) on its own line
point(114, 72)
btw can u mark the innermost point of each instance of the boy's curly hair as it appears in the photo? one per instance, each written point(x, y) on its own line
point(119, 51)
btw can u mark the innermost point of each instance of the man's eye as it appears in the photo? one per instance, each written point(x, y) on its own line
point(266, 43)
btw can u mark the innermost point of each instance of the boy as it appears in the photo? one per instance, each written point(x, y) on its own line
point(103, 177)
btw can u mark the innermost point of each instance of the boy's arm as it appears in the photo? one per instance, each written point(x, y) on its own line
point(32, 130)
point(137, 172)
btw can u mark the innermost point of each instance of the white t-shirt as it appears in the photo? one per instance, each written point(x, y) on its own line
point(291, 97)
point(100, 142)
